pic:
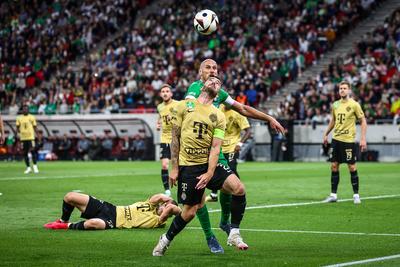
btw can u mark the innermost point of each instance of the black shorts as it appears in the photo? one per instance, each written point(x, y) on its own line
point(232, 161)
point(187, 180)
point(165, 151)
point(343, 152)
point(101, 210)
point(28, 145)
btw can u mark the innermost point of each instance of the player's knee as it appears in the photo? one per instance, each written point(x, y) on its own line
point(69, 197)
point(94, 225)
point(164, 166)
point(335, 167)
point(352, 168)
point(239, 190)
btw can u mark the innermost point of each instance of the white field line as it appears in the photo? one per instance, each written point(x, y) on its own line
point(308, 203)
point(142, 172)
point(364, 261)
point(306, 232)
point(35, 177)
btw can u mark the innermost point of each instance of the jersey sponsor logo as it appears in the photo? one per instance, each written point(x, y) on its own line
point(341, 117)
point(127, 213)
point(200, 129)
point(341, 132)
point(166, 119)
point(197, 151)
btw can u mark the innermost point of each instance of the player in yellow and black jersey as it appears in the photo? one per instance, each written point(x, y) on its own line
point(236, 124)
point(101, 215)
point(26, 127)
point(345, 113)
point(197, 134)
point(164, 124)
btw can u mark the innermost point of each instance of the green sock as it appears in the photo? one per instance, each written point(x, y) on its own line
point(204, 219)
point(225, 201)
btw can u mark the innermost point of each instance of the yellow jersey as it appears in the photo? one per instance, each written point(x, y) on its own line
point(138, 215)
point(199, 124)
point(235, 123)
point(345, 114)
point(165, 111)
point(26, 124)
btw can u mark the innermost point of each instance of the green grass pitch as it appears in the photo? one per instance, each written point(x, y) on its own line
point(312, 234)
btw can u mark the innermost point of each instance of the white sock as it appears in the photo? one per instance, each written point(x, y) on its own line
point(213, 194)
point(334, 195)
point(356, 195)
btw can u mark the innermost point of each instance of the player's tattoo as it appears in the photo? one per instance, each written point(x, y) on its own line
point(176, 134)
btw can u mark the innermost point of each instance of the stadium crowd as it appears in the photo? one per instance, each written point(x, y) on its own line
point(372, 68)
point(259, 45)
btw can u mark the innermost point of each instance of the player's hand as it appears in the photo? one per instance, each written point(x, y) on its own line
point(173, 177)
point(2, 140)
point(158, 126)
point(277, 126)
point(363, 145)
point(203, 180)
point(325, 140)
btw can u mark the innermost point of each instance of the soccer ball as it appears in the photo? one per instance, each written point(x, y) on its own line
point(205, 22)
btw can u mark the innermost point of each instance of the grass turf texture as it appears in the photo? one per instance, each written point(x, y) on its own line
point(29, 201)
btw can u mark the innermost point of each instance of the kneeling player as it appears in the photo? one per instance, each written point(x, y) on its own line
point(101, 215)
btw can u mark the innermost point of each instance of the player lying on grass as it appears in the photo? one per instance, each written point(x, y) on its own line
point(101, 215)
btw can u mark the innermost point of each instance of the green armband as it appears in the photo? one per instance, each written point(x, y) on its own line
point(219, 133)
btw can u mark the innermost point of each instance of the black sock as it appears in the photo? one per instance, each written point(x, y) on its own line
point(238, 206)
point(66, 211)
point(334, 181)
point(176, 226)
point(26, 160)
point(77, 226)
point(354, 181)
point(164, 178)
point(34, 157)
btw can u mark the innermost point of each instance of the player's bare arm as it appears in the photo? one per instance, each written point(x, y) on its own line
point(159, 198)
point(158, 125)
point(212, 163)
point(169, 210)
point(363, 141)
point(176, 134)
point(245, 137)
point(329, 129)
point(2, 137)
point(251, 112)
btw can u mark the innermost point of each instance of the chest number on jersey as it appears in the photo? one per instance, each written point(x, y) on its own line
point(199, 129)
point(341, 117)
point(143, 208)
point(166, 119)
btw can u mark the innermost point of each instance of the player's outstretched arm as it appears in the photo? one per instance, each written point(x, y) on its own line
point(251, 112)
point(2, 137)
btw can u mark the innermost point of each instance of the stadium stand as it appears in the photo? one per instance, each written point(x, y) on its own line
point(373, 69)
point(257, 58)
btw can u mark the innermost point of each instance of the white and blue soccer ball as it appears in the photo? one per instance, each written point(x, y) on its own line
point(206, 22)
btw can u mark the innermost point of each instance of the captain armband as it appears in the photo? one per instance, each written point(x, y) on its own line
point(219, 133)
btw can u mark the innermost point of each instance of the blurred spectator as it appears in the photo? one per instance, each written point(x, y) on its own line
point(82, 147)
point(94, 148)
point(138, 148)
point(64, 147)
point(106, 145)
